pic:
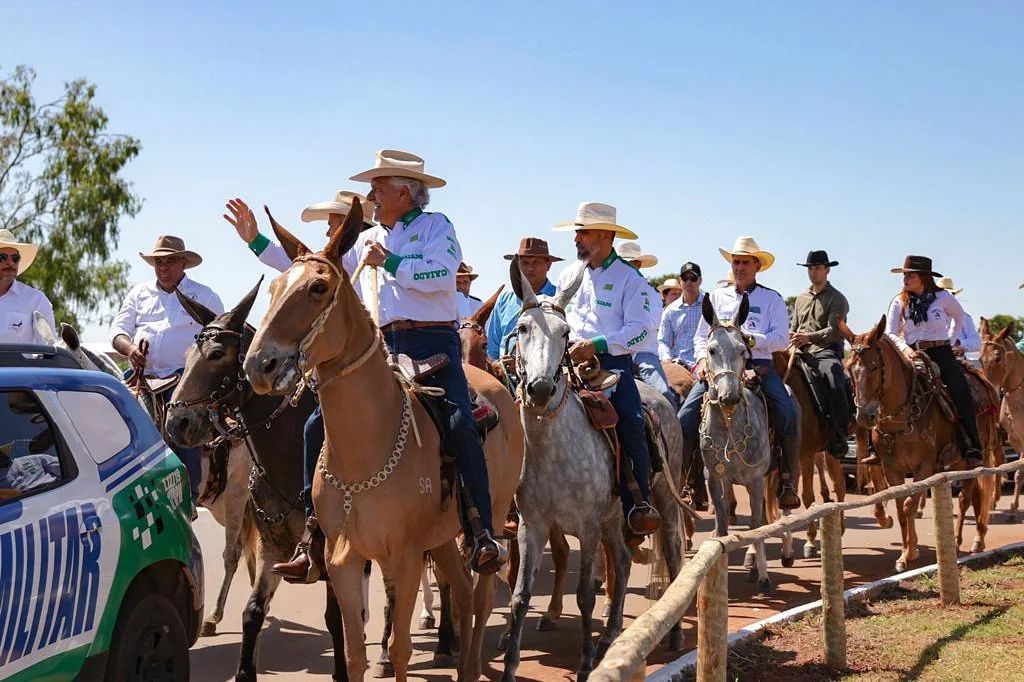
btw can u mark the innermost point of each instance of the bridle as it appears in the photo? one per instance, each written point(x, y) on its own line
point(707, 443)
point(546, 307)
point(1000, 346)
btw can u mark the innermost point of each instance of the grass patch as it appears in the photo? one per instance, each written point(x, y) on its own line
point(904, 633)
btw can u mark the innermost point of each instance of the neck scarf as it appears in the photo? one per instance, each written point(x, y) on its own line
point(919, 306)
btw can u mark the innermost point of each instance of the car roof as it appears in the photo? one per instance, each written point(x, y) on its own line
point(29, 355)
point(57, 378)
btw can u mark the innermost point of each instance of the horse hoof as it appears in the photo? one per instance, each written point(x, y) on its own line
point(977, 546)
point(764, 586)
point(440, 661)
point(752, 574)
point(209, 629)
point(920, 514)
point(382, 669)
point(810, 550)
point(582, 675)
point(885, 523)
point(901, 566)
point(546, 624)
point(427, 623)
point(787, 562)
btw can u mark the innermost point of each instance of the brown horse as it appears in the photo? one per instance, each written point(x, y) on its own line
point(378, 491)
point(910, 430)
point(1004, 366)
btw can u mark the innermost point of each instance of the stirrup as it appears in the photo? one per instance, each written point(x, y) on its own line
point(488, 555)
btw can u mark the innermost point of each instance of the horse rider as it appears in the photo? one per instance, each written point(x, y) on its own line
point(611, 315)
point(535, 261)
point(18, 300)
point(680, 319)
point(919, 320)
point(418, 254)
point(815, 331)
point(768, 325)
point(968, 340)
point(151, 312)
point(297, 569)
point(645, 353)
point(467, 303)
point(670, 291)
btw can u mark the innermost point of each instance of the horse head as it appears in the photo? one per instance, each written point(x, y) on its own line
point(867, 366)
point(727, 351)
point(213, 379)
point(473, 333)
point(314, 314)
point(997, 354)
point(542, 336)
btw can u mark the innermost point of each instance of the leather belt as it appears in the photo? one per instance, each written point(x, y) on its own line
point(406, 325)
point(922, 345)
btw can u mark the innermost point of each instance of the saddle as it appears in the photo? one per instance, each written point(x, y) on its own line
point(604, 419)
point(417, 370)
point(983, 393)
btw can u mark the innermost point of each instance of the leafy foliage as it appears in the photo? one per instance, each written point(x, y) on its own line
point(997, 323)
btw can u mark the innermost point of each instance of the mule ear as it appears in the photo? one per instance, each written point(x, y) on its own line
point(237, 316)
point(43, 329)
point(291, 244)
point(1004, 332)
point(983, 329)
point(876, 333)
point(845, 331)
point(741, 314)
point(708, 311)
point(515, 277)
point(484, 312)
point(70, 336)
point(343, 238)
point(196, 310)
point(565, 295)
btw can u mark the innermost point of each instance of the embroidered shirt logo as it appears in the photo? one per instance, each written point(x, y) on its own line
point(414, 238)
point(609, 286)
point(431, 274)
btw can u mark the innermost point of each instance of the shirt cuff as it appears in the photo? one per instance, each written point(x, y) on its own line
point(391, 264)
point(259, 244)
point(600, 344)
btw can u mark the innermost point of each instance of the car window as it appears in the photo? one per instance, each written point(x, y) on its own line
point(29, 456)
point(98, 422)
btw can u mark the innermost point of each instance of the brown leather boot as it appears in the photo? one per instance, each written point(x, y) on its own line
point(643, 519)
point(788, 499)
point(488, 555)
point(305, 565)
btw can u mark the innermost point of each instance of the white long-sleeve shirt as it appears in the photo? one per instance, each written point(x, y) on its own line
point(650, 344)
point(149, 312)
point(767, 321)
point(16, 308)
point(945, 321)
point(969, 339)
point(612, 307)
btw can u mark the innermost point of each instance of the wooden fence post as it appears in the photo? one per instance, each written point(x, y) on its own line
point(833, 606)
point(945, 543)
point(713, 623)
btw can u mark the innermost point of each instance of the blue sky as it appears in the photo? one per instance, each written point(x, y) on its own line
point(870, 129)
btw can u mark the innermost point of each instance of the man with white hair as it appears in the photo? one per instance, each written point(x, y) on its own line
point(18, 300)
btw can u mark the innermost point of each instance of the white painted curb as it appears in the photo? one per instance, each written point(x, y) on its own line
point(669, 671)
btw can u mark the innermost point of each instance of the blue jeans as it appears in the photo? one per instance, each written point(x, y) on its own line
point(780, 405)
point(625, 398)
point(312, 442)
point(463, 437)
point(653, 374)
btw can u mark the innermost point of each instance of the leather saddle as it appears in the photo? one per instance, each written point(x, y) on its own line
point(604, 419)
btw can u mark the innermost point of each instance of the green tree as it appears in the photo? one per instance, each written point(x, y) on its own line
point(61, 188)
point(997, 323)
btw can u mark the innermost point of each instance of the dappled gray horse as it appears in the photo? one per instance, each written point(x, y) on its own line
point(568, 481)
point(734, 429)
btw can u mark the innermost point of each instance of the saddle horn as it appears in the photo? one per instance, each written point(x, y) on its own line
point(196, 310)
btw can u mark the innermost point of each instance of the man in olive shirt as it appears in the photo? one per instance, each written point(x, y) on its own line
point(814, 330)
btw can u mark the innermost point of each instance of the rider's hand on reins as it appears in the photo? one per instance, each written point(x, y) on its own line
point(581, 351)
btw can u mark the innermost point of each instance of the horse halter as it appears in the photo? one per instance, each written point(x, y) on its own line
point(228, 384)
point(730, 372)
point(858, 352)
point(546, 307)
point(999, 345)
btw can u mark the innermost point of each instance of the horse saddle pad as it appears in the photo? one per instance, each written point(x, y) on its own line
point(983, 393)
point(158, 386)
point(421, 369)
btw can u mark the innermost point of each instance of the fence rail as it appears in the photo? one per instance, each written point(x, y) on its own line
point(704, 578)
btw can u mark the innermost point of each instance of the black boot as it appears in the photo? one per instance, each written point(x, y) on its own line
point(694, 487)
point(788, 468)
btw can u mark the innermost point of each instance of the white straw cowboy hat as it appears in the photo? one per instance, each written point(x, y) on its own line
point(746, 246)
point(340, 205)
point(592, 215)
point(168, 246)
point(729, 279)
point(25, 250)
point(394, 163)
point(466, 270)
point(631, 251)
point(670, 283)
point(947, 284)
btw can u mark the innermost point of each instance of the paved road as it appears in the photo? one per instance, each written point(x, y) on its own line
point(295, 645)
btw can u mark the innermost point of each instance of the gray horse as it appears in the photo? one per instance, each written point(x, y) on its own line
point(568, 479)
point(734, 432)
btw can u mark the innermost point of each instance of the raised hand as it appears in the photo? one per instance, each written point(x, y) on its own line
point(242, 219)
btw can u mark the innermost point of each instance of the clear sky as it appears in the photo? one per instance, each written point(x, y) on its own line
point(871, 129)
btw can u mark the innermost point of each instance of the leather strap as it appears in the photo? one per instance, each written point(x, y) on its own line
point(406, 325)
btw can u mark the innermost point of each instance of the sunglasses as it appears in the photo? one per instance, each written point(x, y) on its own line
point(690, 278)
point(15, 257)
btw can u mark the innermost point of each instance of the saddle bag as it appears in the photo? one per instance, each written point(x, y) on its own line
point(600, 410)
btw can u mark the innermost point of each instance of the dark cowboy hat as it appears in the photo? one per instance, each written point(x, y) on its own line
point(922, 264)
point(819, 258)
point(532, 246)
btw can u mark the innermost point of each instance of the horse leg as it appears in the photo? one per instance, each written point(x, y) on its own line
point(606, 565)
point(1018, 483)
point(483, 604)
point(719, 488)
point(367, 569)
point(233, 549)
point(332, 617)
point(819, 464)
point(531, 548)
point(733, 519)
point(560, 557)
point(757, 498)
point(982, 508)
point(427, 621)
point(513, 571)
point(382, 667)
point(879, 483)
point(345, 568)
point(253, 616)
point(447, 647)
point(619, 557)
point(965, 498)
point(451, 569)
point(404, 572)
point(906, 512)
point(807, 497)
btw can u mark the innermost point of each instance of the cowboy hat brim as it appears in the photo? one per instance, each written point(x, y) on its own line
point(620, 231)
point(831, 264)
point(324, 209)
point(765, 258)
point(917, 270)
point(429, 181)
point(673, 287)
point(549, 257)
point(466, 274)
point(192, 259)
point(647, 260)
point(27, 251)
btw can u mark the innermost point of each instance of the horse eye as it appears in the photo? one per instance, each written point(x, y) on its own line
point(521, 329)
point(216, 354)
point(319, 287)
point(711, 351)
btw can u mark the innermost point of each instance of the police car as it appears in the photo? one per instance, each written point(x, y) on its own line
point(100, 573)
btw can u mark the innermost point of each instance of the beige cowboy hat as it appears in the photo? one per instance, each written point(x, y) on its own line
point(631, 251)
point(393, 163)
point(728, 280)
point(746, 246)
point(340, 205)
point(169, 245)
point(25, 250)
point(466, 270)
point(670, 283)
point(592, 215)
point(947, 284)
